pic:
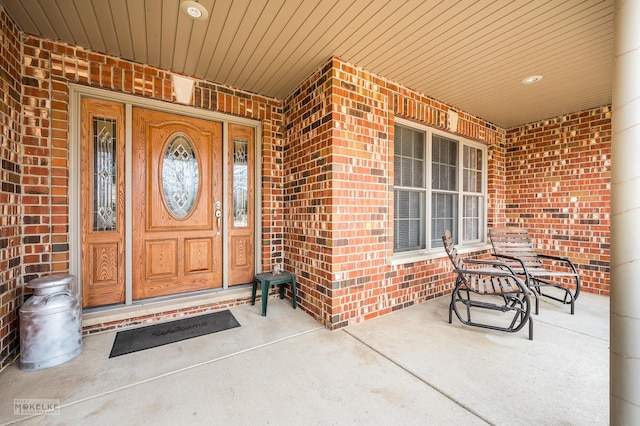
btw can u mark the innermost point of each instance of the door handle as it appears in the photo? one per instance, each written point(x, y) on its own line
point(218, 217)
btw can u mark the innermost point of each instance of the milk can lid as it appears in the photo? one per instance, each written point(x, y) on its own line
point(50, 281)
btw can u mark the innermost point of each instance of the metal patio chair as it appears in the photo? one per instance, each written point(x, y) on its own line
point(487, 285)
point(513, 246)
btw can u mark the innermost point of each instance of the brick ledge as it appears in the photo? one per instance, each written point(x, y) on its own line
point(159, 309)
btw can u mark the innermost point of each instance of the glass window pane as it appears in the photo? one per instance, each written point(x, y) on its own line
point(443, 216)
point(240, 182)
point(479, 160)
point(418, 174)
point(435, 151)
point(402, 204)
point(180, 177)
point(471, 218)
point(405, 171)
point(435, 176)
point(408, 159)
point(470, 231)
point(452, 179)
point(453, 151)
point(400, 235)
point(444, 163)
point(466, 179)
point(104, 174)
point(409, 219)
point(415, 205)
point(418, 145)
point(403, 141)
point(472, 169)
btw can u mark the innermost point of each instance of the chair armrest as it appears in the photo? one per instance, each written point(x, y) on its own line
point(495, 272)
point(484, 262)
point(560, 258)
point(485, 271)
point(568, 261)
point(515, 259)
point(497, 265)
point(498, 268)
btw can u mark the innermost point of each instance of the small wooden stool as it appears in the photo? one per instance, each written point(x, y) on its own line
point(268, 279)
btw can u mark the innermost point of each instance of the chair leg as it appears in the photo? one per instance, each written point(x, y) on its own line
point(520, 306)
point(468, 306)
point(451, 306)
point(568, 299)
point(253, 292)
point(293, 292)
point(265, 296)
point(573, 301)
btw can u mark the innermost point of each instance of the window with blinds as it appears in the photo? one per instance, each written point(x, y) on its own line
point(410, 193)
point(439, 184)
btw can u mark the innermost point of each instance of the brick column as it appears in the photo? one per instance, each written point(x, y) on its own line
point(625, 219)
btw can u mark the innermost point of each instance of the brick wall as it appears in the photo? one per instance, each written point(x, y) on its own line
point(552, 176)
point(49, 68)
point(327, 199)
point(558, 173)
point(339, 199)
point(307, 192)
point(10, 188)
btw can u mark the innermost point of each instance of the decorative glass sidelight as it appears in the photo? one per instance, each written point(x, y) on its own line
point(180, 176)
point(240, 182)
point(104, 174)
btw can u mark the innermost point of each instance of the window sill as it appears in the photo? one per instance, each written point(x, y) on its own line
point(421, 256)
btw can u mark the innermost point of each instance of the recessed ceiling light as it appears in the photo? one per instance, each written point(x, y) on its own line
point(531, 79)
point(194, 9)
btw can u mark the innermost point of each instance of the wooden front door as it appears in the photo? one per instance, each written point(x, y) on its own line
point(102, 203)
point(177, 170)
point(240, 202)
point(179, 239)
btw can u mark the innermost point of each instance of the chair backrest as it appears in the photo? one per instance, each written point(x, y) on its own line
point(452, 252)
point(515, 242)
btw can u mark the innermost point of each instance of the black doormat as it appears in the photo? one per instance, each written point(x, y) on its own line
point(142, 338)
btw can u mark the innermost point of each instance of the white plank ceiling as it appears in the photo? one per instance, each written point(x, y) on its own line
point(471, 54)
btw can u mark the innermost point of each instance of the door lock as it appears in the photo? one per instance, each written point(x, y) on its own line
point(218, 216)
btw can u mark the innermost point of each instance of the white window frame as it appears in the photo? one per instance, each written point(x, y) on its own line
point(465, 245)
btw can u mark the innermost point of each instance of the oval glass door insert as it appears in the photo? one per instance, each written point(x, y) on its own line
point(180, 177)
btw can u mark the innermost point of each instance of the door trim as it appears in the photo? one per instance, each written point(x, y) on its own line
point(76, 93)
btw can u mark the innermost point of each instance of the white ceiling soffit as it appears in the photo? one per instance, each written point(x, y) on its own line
point(471, 54)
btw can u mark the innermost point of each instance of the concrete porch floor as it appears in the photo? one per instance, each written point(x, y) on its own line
point(409, 367)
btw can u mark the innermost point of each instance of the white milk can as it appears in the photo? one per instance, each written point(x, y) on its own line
point(50, 323)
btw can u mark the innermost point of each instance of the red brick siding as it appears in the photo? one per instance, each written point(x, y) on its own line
point(496, 183)
point(39, 168)
point(35, 122)
point(559, 173)
point(10, 188)
point(307, 192)
point(363, 229)
point(327, 176)
point(49, 68)
point(339, 199)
